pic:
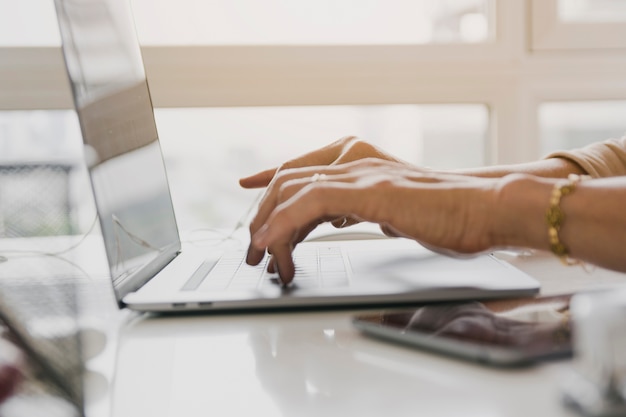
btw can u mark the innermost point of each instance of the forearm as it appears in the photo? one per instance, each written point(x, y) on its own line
point(547, 168)
point(594, 229)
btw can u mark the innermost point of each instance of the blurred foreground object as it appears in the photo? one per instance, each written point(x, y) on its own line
point(11, 361)
point(597, 385)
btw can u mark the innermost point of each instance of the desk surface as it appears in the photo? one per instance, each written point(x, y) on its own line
point(316, 363)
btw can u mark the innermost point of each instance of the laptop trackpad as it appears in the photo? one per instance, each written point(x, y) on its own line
point(408, 264)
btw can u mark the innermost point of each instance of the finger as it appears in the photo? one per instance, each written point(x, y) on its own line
point(287, 184)
point(354, 149)
point(324, 200)
point(303, 233)
point(283, 262)
point(261, 179)
point(326, 155)
point(321, 157)
point(254, 255)
point(389, 231)
point(258, 180)
point(272, 196)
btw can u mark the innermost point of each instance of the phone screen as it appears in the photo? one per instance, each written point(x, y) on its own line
point(505, 332)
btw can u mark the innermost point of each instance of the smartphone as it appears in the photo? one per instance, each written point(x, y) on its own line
point(500, 333)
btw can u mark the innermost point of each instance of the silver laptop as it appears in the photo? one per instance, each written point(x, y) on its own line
point(149, 268)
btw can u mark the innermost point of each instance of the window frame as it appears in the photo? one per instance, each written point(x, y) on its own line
point(509, 75)
point(549, 33)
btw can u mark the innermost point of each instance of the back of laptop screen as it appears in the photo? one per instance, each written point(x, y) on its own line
point(122, 150)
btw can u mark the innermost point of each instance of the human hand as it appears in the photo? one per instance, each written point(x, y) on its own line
point(346, 149)
point(448, 213)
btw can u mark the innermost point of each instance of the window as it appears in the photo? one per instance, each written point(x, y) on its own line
point(592, 11)
point(495, 80)
point(208, 149)
point(320, 22)
point(568, 125)
point(578, 24)
point(43, 183)
point(20, 26)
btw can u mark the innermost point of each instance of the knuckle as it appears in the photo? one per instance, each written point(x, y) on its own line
point(361, 145)
point(286, 166)
point(363, 149)
point(347, 140)
point(282, 176)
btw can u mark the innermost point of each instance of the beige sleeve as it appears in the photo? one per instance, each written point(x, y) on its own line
point(602, 159)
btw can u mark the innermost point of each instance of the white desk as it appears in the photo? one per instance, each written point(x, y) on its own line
point(316, 363)
point(308, 363)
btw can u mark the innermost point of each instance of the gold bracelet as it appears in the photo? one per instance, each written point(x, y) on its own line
point(555, 216)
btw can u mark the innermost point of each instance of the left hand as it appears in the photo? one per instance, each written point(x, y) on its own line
point(344, 150)
point(450, 213)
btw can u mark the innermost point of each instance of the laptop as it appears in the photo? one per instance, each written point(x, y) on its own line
point(152, 271)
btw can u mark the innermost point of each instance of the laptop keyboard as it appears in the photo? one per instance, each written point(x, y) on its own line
point(319, 266)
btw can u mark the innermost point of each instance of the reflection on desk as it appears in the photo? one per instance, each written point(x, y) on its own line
point(316, 363)
point(308, 363)
point(62, 319)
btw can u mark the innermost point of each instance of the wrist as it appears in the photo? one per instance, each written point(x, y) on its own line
point(519, 212)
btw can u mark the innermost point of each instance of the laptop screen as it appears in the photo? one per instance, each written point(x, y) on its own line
point(122, 150)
